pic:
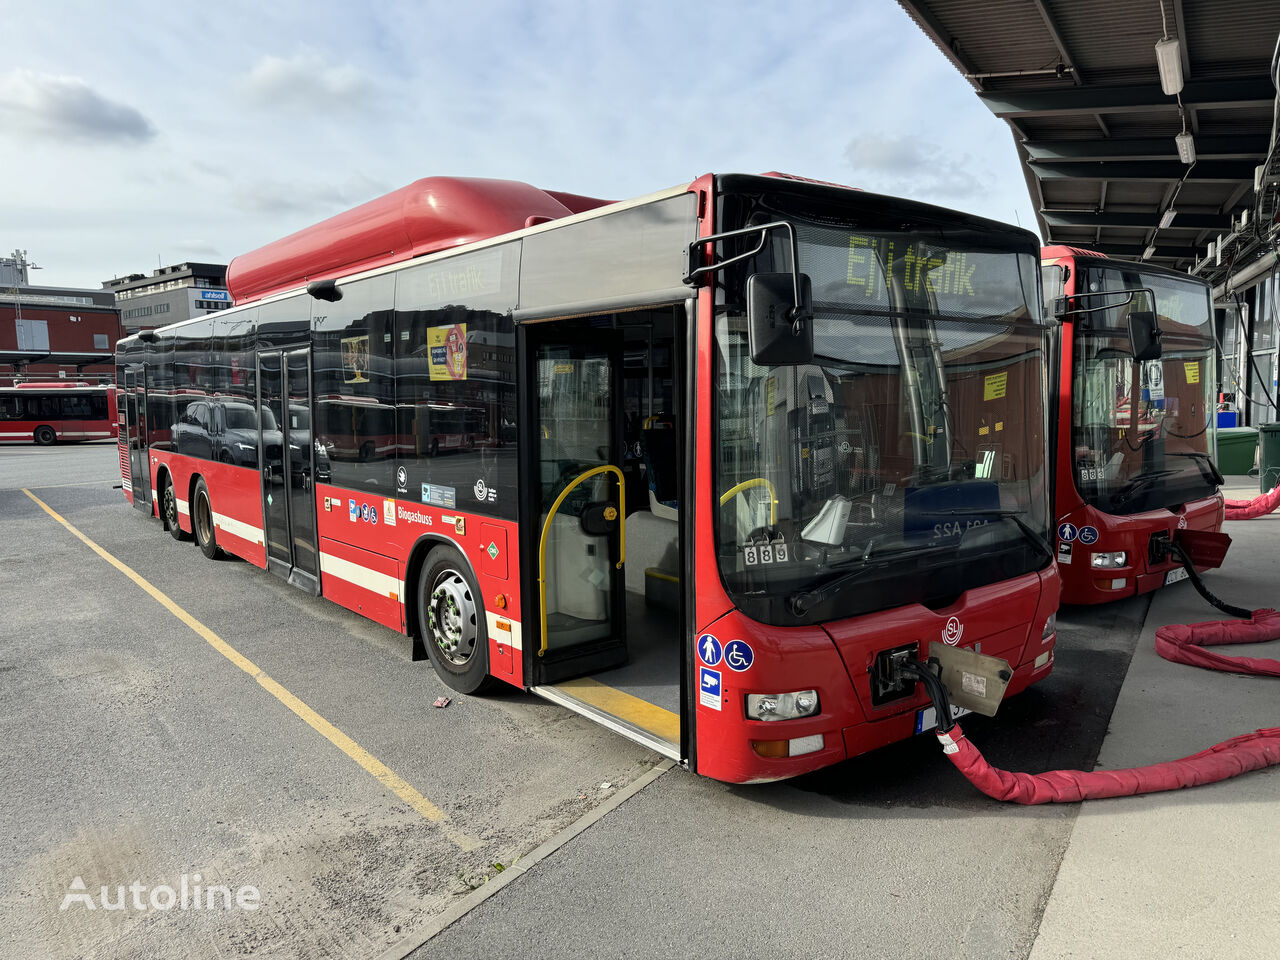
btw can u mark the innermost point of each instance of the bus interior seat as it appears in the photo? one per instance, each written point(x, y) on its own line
point(660, 438)
point(657, 532)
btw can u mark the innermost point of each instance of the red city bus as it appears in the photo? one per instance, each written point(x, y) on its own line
point(833, 405)
point(1135, 442)
point(57, 412)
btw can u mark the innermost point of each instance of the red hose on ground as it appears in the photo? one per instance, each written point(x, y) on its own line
point(1181, 643)
point(1252, 509)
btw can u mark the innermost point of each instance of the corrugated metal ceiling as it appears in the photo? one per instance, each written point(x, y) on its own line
point(1096, 137)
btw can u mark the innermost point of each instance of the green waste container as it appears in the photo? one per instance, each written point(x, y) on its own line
point(1236, 446)
point(1268, 456)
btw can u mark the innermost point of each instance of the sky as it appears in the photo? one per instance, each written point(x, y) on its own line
point(137, 134)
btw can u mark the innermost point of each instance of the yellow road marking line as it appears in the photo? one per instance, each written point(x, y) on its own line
point(624, 706)
point(375, 767)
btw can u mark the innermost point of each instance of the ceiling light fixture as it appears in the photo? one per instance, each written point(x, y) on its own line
point(1186, 147)
point(1167, 218)
point(1169, 60)
point(1150, 252)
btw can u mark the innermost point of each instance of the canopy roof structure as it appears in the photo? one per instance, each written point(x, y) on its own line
point(1098, 136)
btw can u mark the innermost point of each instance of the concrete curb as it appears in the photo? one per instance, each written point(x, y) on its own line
point(406, 946)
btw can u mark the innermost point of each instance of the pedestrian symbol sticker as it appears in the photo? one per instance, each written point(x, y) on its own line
point(709, 649)
point(1088, 535)
point(1067, 532)
point(709, 688)
point(738, 655)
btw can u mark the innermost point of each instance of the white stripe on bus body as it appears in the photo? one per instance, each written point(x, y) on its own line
point(382, 584)
point(245, 531)
point(512, 638)
point(184, 507)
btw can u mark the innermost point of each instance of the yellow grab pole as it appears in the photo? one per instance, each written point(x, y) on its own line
point(747, 485)
point(546, 528)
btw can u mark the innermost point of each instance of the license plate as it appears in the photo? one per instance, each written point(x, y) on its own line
point(927, 718)
point(1173, 576)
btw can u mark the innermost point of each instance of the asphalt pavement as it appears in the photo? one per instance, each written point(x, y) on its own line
point(136, 750)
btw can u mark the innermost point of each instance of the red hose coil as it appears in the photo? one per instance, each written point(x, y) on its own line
point(1252, 509)
point(1180, 643)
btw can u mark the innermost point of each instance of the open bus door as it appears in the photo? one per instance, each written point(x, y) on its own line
point(580, 609)
point(285, 459)
point(135, 423)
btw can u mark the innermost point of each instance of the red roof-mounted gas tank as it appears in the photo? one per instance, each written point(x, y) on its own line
point(428, 215)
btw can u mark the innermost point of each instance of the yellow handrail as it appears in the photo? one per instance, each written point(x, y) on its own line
point(747, 485)
point(546, 528)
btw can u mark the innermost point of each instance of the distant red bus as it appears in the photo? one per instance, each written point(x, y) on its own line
point(48, 413)
point(1135, 437)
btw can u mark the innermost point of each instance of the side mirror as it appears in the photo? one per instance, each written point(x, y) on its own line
point(1144, 335)
point(779, 330)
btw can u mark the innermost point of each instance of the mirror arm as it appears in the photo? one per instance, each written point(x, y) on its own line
point(691, 278)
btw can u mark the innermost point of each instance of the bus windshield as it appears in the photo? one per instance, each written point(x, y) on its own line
point(907, 462)
point(1144, 431)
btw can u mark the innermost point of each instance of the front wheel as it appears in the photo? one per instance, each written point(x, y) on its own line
point(451, 613)
point(45, 436)
point(202, 522)
point(169, 504)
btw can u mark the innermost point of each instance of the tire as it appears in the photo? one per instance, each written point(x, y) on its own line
point(452, 622)
point(45, 436)
point(169, 510)
point(202, 522)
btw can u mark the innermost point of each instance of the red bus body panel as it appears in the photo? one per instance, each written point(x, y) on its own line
point(1081, 583)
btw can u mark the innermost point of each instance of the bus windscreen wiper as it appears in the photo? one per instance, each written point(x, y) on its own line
point(1205, 463)
point(1002, 514)
point(802, 601)
point(1130, 489)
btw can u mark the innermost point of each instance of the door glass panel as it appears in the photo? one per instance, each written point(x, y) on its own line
point(271, 440)
point(575, 428)
point(297, 428)
point(133, 426)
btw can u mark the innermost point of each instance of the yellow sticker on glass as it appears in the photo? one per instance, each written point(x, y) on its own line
point(994, 386)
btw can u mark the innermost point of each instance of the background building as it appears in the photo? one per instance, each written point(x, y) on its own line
point(169, 294)
point(53, 333)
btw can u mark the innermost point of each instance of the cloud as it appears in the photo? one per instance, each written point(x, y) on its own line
point(306, 79)
point(197, 248)
point(317, 201)
point(911, 167)
point(60, 107)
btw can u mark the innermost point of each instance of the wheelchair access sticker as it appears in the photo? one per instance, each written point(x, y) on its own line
point(738, 655)
point(709, 688)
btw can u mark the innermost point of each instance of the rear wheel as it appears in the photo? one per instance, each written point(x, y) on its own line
point(45, 436)
point(202, 521)
point(169, 508)
point(451, 613)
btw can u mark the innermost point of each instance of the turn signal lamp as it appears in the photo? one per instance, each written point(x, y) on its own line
point(1050, 627)
point(1109, 561)
point(782, 706)
point(775, 749)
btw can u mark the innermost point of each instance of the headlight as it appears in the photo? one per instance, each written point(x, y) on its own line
point(1050, 626)
point(246, 446)
point(782, 706)
point(1109, 561)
